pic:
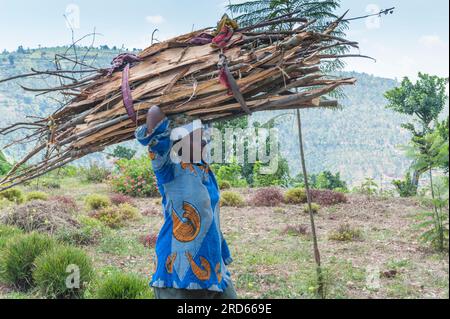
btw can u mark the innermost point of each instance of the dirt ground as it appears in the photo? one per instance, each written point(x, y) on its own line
point(388, 261)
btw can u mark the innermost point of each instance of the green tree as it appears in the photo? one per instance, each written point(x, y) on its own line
point(424, 101)
point(326, 180)
point(4, 165)
point(122, 152)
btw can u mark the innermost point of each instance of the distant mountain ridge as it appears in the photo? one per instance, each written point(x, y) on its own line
point(359, 141)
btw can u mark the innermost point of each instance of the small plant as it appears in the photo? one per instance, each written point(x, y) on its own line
point(315, 208)
point(346, 232)
point(95, 173)
point(269, 197)
point(14, 195)
point(18, 257)
point(96, 201)
point(369, 187)
point(117, 199)
point(7, 233)
point(123, 286)
point(297, 230)
point(295, 196)
point(36, 196)
point(327, 197)
point(232, 199)
point(53, 269)
point(405, 188)
point(117, 216)
point(149, 241)
point(224, 185)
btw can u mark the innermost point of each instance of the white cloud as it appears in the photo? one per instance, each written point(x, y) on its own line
point(432, 41)
point(155, 19)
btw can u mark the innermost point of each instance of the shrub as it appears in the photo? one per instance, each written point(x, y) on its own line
point(90, 232)
point(14, 195)
point(269, 197)
point(7, 233)
point(95, 173)
point(17, 260)
point(295, 196)
point(232, 199)
point(36, 196)
point(117, 199)
point(315, 208)
point(223, 185)
point(53, 268)
point(67, 201)
point(123, 286)
point(231, 173)
point(135, 178)
point(149, 241)
point(277, 178)
point(95, 201)
point(326, 180)
point(346, 232)
point(327, 197)
point(116, 216)
point(405, 188)
point(48, 217)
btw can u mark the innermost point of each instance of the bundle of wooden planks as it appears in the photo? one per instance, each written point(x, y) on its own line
point(272, 70)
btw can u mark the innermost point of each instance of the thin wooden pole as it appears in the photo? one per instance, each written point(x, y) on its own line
point(320, 290)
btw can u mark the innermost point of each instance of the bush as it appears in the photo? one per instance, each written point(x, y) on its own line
point(346, 232)
point(315, 208)
point(278, 178)
point(90, 233)
point(7, 233)
point(231, 173)
point(95, 201)
point(232, 199)
point(223, 185)
point(67, 201)
point(117, 199)
point(135, 178)
point(50, 184)
point(14, 195)
point(48, 217)
point(327, 197)
point(405, 188)
point(17, 260)
point(116, 216)
point(53, 269)
point(95, 173)
point(295, 196)
point(269, 197)
point(123, 286)
point(36, 196)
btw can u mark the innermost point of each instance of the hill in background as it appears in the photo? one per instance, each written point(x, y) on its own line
point(360, 140)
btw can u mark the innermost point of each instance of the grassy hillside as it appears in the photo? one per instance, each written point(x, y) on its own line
point(359, 141)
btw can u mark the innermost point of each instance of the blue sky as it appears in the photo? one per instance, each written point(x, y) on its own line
point(415, 39)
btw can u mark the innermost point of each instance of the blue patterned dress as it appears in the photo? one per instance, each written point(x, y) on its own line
point(191, 252)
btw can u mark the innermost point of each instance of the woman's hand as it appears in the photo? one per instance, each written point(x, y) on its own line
point(154, 117)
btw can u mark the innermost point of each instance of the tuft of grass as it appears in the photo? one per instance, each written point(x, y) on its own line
point(7, 233)
point(346, 233)
point(90, 232)
point(224, 185)
point(232, 199)
point(36, 196)
point(96, 201)
point(63, 273)
point(297, 230)
point(18, 257)
point(121, 286)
